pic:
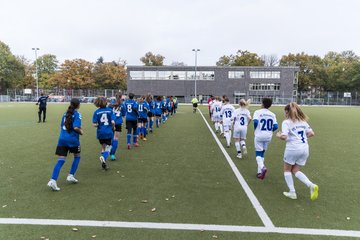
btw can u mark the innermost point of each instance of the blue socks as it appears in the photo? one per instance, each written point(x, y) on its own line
point(57, 168)
point(75, 165)
point(105, 154)
point(114, 146)
point(151, 124)
point(134, 138)
point(128, 138)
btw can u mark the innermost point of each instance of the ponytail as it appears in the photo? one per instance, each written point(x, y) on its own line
point(295, 113)
point(74, 104)
point(68, 119)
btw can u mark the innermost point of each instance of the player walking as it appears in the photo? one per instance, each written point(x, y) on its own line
point(131, 107)
point(295, 131)
point(119, 112)
point(70, 129)
point(104, 120)
point(264, 124)
point(42, 102)
point(227, 113)
point(242, 119)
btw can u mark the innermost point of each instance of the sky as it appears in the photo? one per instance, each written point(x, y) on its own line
point(126, 30)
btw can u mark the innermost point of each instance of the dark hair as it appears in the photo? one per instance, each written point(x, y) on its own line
point(118, 101)
point(74, 104)
point(267, 102)
point(100, 102)
point(131, 95)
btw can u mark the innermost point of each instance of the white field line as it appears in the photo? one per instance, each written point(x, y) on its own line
point(178, 226)
point(254, 201)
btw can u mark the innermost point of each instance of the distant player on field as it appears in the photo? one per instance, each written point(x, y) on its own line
point(42, 102)
point(104, 120)
point(295, 131)
point(195, 102)
point(242, 119)
point(143, 109)
point(216, 114)
point(264, 125)
point(119, 113)
point(131, 108)
point(70, 129)
point(227, 113)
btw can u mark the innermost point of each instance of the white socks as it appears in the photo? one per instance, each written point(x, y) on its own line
point(289, 181)
point(242, 143)
point(302, 177)
point(228, 137)
point(237, 145)
point(221, 128)
point(260, 162)
point(216, 126)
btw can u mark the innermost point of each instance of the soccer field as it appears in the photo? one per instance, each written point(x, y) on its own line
point(177, 185)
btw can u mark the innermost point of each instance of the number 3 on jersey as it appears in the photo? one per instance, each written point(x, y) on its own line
point(104, 119)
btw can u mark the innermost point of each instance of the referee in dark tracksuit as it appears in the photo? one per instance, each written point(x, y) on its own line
point(42, 106)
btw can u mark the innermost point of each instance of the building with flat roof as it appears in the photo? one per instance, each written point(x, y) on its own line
point(278, 83)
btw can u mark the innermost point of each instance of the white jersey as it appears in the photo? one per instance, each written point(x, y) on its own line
point(266, 121)
point(216, 111)
point(241, 116)
point(227, 113)
point(296, 134)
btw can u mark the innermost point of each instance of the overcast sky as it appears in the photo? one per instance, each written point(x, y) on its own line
point(128, 29)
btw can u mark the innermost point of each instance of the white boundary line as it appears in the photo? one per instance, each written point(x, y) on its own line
point(178, 226)
point(269, 227)
point(254, 201)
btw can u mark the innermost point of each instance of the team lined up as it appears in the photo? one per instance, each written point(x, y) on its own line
point(140, 116)
point(295, 131)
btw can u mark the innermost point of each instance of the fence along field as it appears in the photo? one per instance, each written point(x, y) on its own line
point(195, 166)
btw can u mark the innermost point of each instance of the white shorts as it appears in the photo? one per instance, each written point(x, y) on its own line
point(216, 118)
point(261, 145)
point(296, 157)
point(227, 127)
point(240, 132)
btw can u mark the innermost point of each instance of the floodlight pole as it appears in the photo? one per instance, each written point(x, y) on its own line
point(195, 50)
point(36, 72)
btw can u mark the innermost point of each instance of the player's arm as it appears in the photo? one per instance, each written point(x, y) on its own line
point(78, 130)
point(94, 120)
point(77, 124)
point(283, 135)
point(309, 132)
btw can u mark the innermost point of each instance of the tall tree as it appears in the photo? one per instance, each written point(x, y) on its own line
point(311, 69)
point(151, 59)
point(74, 74)
point(47, 65)
point(11, 69)
point(111, 75)
point(241, 58)
point(270, 60)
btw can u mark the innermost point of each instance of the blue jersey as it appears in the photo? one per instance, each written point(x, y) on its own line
point(70, 138)
point(143, 109)
point(152, 106)
point(103, 117)
point(164, 104)
point(169, 105)
point(158, 105)
point(119, 114)
point(131, 108)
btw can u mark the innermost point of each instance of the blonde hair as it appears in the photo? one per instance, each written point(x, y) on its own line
point(294, 112)
point(244, 104)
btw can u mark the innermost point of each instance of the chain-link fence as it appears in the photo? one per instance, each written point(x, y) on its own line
point(57, 95)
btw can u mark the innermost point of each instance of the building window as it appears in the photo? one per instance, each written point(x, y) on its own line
point(150, 75)
point(264, 86)
point(265, 74)
point(207, 75)
point(137, 75)
point(236, 74)
point(178, 75)
point(164, 75)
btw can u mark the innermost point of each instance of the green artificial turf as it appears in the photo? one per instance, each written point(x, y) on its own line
point(180, 171)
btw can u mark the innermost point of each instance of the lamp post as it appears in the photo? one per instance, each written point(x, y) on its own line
point(37, 74)
point(195, 50)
